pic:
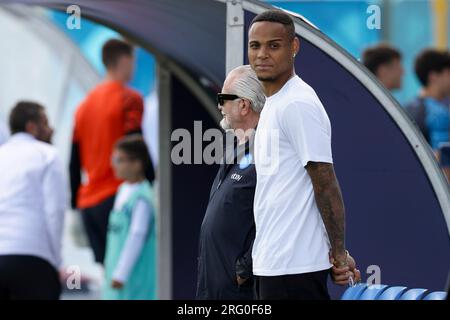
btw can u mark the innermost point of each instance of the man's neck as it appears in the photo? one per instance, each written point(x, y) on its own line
point(272, 87)
point(432, 92)
point(386, 82)
point(246, 130)
point(26, 134)
point(110, 76)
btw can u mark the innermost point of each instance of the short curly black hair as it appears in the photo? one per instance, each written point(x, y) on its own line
point(278, 16)
point(431, 60)
point(376, 56)
point(22, 113)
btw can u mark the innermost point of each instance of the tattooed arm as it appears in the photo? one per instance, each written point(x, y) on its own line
point(331, 206)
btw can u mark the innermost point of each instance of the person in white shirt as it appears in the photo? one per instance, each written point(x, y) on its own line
point(298, 207)
point(33, 197)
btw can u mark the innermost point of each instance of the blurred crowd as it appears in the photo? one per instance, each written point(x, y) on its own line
point(111, 178)
point(430, 109)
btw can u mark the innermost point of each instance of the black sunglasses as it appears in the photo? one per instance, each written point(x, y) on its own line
point(222, 97)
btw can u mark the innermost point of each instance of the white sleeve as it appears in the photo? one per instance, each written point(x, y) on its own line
point(140, 221)
point(308, 130)
point(55, 193)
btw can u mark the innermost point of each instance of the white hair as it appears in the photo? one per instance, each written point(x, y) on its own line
point(246, 85)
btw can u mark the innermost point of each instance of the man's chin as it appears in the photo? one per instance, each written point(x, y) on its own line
point(264, 78)
point(225, 125)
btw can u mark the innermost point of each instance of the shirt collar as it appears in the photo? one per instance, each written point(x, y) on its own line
point(283, 88)
point(22, 136)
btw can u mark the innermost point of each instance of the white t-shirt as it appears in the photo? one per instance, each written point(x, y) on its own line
point(33, 199)
point(293, 129)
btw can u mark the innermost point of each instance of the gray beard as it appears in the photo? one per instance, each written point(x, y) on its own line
point(225, 125)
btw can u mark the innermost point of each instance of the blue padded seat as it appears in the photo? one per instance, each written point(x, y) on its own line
point(353, 293)
point(392, 293)
point(437, 295)
point(373, 292)
point(413, 294)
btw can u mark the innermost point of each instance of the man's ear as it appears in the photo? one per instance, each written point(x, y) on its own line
point(245, 107)
point(296, 46)
point(31, 128)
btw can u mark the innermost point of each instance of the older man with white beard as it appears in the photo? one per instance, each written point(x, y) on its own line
point(228, 228)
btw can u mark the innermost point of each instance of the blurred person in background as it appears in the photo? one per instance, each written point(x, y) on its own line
point(430, 110)
point(110, 111)
point(444, 158)
point(33, 195)
point(130, 262)
point(385, 62)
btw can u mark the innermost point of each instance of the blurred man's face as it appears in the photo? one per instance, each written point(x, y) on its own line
point(443, 81)
point(270, 50)
point(125, 66)
point(391, 74)
point(44, 132)
point(41, 129)
point(396, 74)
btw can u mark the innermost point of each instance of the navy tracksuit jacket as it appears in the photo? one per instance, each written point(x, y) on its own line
point(228, 231)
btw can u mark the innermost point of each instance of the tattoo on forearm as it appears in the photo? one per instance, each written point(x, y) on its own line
point(329, 201)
